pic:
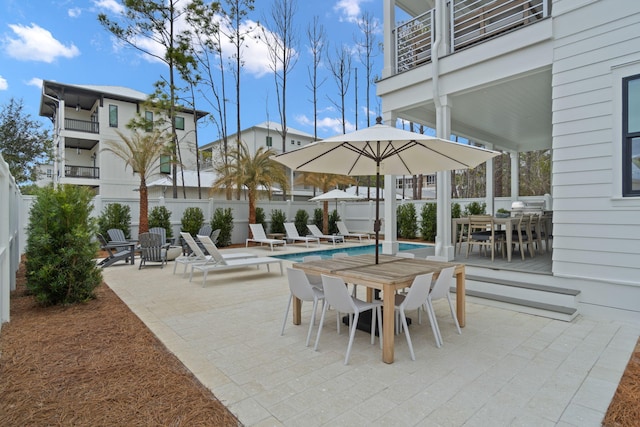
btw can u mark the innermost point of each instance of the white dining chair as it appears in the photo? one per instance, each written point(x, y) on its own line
point(412, 300)
point(300, 287)
point(337, 296)
point(441, 290)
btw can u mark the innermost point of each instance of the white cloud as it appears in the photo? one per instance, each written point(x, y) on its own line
point(4, 85)
point(254, 52)
point(110, 5)
point(349, 10)
point(35, 82)
point(34, 43)
point(74, 12)
point(332, 124)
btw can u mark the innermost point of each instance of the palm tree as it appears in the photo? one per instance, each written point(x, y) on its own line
point(142, 152)
point(251, 172)
point(325, 182)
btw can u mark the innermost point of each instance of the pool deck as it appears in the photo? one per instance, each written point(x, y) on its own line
point(506, 368)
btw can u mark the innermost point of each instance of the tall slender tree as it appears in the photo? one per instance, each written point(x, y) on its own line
point(317, 37)
point(144, 25)
point(282, 41)
point(366, 43)
point(340, 66)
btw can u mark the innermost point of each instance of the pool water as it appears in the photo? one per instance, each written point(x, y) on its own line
point(358, 250)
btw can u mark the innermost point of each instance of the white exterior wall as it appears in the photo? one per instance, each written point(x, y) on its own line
point(596, 231)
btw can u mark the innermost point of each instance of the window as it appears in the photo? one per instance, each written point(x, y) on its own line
point(293, 142)
point(148, 118)
point(113, 116)
point(269, 141)
point(298, 142)
point(180, 123)
point(631, 136)
point(165, 164)
point(49, 173)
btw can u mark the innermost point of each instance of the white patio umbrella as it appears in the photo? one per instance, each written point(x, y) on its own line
point(382, 149)
point(336, 195)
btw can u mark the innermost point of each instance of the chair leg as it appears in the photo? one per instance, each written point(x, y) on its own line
point(352, 334)
point(453, 314)
point(312, 321)
point(379, 310)
point(324, 310)
point(403, 316)
point(286, 314)
point(434, 324)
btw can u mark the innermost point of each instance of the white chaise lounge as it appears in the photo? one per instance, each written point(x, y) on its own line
point(221, 264)
point(294, 236)
point(331, 237)
point(259, 236)
point(198, 257)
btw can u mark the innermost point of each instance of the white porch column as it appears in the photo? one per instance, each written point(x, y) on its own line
point(515, 175)
point(389, 43)
point(444, 248)
point(490, 193)
point(390, 243)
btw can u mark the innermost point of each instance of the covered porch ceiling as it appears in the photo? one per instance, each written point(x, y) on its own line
point(511, 115)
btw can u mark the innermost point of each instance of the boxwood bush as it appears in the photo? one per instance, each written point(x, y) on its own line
point(115, 215)
point(223, 219)
point(61, 246)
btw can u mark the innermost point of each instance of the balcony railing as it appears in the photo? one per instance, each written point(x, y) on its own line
point(470, 22)
point(71, 171)
point(82, 125)
point(413, 40)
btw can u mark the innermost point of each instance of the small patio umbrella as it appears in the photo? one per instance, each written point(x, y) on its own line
point(335, 195)
point(382, 149)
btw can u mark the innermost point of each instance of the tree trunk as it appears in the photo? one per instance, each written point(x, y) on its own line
point(143, 226)
point(325, 217)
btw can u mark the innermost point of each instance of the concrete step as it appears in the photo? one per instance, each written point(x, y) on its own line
point(526, 297)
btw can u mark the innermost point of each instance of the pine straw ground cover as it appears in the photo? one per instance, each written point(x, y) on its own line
point(94, 364)
point(98, 364)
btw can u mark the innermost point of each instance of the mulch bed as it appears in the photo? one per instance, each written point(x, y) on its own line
point(624, 409)
point(95, 364)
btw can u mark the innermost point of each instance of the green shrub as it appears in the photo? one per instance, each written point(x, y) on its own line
point(456, 211)
point(278, 218)
point(333, 220)
point(429, 221)
point(192, 220)
point(261, 217)
point(301, 220)
point(317, 217)
point(407, 221)
point(475, 208)
point(160, 216)
point(223, 219)
point(115, 215)
point(61, 246)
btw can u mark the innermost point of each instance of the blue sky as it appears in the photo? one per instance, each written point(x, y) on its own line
point(62, 40)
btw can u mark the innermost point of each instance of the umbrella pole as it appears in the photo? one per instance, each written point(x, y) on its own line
point(376, 224)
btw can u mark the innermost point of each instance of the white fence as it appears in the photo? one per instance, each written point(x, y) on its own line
point(10, 250)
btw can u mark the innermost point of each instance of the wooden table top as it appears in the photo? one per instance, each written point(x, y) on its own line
point(390, 270)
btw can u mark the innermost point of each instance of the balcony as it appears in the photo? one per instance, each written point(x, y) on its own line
point(72, 171)
point(81, 125)
point(470, 22)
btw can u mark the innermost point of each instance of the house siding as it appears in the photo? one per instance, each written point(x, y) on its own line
point(595, 234)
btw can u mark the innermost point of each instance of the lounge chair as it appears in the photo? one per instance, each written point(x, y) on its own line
point(344, 231)
point(113, 253)
point(260, 237)
point(294, 236)
point(197, 256)
point(222, 264)
point(116, 236)
point(331, 237)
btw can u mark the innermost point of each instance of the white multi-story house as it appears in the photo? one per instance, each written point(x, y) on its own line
point(268, 135)
point(85, 117)
point(523, 75)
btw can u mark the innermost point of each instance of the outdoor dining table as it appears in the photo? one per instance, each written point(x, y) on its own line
point(390, 274)
point(506, 224)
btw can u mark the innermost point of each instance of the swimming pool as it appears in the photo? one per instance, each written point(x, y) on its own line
point(357, 250)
